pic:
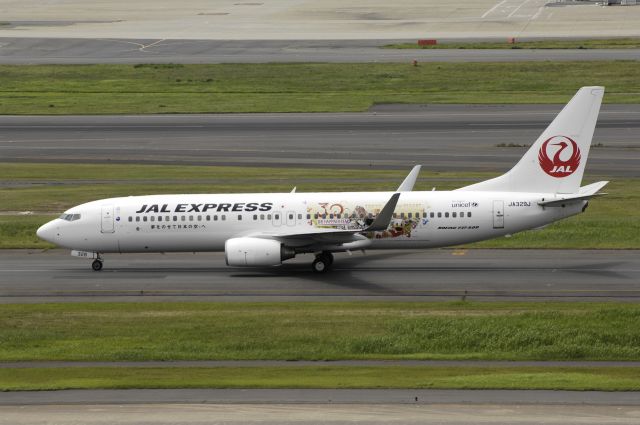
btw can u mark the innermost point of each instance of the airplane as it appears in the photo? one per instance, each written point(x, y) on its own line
point(265, 229)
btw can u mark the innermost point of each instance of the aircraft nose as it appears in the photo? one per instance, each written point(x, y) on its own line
point(47, 232)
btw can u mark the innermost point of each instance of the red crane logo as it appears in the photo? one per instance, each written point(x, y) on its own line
point(557, 167)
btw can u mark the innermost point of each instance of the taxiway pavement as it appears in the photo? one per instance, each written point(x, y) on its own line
point(29, 276)
point(18, 51)
point(318, 414)
point(440, 137)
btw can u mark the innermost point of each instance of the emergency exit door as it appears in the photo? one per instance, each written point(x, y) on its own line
point(107, 225)
point(498, 214)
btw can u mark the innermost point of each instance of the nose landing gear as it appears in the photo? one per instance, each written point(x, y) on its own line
point(97, 264)
point(323, 262)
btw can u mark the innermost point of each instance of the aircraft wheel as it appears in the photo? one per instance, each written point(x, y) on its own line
point(96, 265)
point(328, 256)
point(320, 264)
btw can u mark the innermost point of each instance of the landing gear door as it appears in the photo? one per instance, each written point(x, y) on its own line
point(498, 214)
point(106, 222)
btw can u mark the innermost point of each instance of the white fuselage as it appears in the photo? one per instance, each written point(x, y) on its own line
point(203, 222)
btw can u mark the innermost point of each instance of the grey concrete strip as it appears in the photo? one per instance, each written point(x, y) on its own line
point(407, 275)
point(338, 396)
point(96, 51)
point(332, 363)
point(320, 414)
point(440, 137)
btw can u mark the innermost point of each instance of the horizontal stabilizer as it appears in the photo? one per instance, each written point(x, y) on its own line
point(584, 193)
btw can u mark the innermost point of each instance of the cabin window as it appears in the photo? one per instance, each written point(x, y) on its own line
point(239, 217)
point(175, 218)
point(261, 216)
point(255, 217)
point(224, 217)
point(167, 218)
point(190, 218)
point(277, 216)
point(432, 214)
point(159, 218)
point(469, 214)
point(199, 218)
point(183, 218)
point(268, 216)
point(299, 216)
point(152, 218)
point(324, 216)
point(308, 216)
point(144, 218)
point(395, 215)
point(290, 216)
point(130, 219)
point(446, 215)
point(417, 215)
point(137, 218)
point(215, 218)
point(409, 215)
point(439, 215)
point(315, 216)
point(454, 214)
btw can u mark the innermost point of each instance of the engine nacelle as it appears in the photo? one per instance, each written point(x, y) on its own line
point(248, 252)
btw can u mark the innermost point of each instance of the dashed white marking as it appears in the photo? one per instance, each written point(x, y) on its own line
point(517, 8)
point(493, 8)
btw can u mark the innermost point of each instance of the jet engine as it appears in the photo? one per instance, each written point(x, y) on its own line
point(249, 252)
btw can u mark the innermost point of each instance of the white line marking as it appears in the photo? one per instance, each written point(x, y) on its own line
point(518, 8)
point(493, 8)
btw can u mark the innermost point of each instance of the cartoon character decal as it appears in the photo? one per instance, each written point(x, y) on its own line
point(343, 215)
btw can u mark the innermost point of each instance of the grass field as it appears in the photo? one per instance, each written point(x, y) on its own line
point(319, 331)
point(555, 378)
point(315, 87)
point(610, 222)
point(610, 43)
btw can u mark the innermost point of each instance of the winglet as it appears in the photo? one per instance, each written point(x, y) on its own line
point(409, 181)
point(384, 218)
point(294, 189)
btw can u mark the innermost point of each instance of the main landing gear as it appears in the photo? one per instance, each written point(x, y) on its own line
point(323, 261)
point(97, 264)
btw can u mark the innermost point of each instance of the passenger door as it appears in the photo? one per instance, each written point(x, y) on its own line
point(106, 223)
point(498, 214)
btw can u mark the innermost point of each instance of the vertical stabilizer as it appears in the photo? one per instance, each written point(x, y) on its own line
point(555, 163)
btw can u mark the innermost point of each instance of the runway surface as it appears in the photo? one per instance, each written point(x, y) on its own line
point(133, 51)
point(337, 396)
point(54, 276)
point(440, 137)
point(317, 414)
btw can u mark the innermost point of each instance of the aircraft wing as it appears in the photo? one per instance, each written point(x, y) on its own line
point(331, 236)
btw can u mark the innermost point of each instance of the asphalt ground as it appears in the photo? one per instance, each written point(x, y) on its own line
point(440, 137)
point(314, 413)
point(133, 51)
point(28, 276)
point(337, 396)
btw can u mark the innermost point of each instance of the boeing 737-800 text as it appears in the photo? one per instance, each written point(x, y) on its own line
point(265, 229)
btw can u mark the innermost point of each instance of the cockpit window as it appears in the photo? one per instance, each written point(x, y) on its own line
point(70, 217)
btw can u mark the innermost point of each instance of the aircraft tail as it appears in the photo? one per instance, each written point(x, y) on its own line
point(555, 163)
